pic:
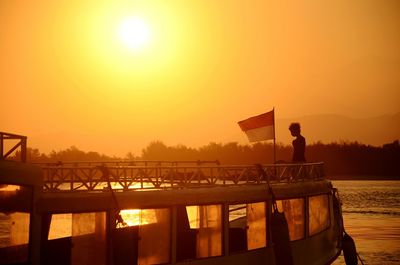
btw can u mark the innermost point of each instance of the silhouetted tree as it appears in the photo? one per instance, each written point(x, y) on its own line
point(344, 158)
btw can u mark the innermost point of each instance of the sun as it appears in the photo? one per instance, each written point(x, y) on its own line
point(134, 33)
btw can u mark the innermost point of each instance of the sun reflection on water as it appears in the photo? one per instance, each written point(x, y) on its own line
point(135, 217)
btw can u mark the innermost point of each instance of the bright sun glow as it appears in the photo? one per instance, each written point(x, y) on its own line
point(134, 217)
point(134, 33)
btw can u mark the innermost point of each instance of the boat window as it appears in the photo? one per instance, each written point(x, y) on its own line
point(256, 221)
point(6, 187)
point(15, 203)
point(60, 226)
point(318, 212)
point(14, 237)
point(237, 228)
point(76, 239)
point(199, 231)
point(148, 234)
point(294, 213)
point(247, 226)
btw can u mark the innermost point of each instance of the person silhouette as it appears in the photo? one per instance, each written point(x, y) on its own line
point(299, 144)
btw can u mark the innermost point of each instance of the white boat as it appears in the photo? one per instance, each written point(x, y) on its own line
point(164, 212)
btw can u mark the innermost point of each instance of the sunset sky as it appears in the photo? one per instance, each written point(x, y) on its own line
point(71, 75)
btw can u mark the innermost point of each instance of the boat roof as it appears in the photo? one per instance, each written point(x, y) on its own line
point(19, 173)
point(134, 199)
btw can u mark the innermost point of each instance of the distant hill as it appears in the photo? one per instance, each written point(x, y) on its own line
point(336, 128)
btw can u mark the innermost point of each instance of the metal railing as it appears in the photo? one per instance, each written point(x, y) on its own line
point(6, 150)
point(76, 177)
point(122, 163)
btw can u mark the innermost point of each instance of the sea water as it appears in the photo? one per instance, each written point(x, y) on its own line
point(371, 212)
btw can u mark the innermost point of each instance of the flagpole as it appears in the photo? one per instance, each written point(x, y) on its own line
point(274, 138)
point(274, 145)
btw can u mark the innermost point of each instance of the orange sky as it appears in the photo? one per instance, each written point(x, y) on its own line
point(209, 64)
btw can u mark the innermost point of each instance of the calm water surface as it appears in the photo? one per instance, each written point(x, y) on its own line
point(371, 211)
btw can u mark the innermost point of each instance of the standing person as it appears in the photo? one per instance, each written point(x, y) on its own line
point(299, 144)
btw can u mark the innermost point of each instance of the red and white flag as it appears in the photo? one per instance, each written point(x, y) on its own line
point(259, 128)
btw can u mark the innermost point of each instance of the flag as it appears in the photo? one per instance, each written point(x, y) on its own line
point(259, 128)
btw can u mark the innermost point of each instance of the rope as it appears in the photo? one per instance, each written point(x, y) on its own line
point(106, 175)
point(273, 199)
point(362, 263)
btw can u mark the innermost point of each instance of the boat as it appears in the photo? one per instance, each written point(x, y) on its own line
point(165, 212)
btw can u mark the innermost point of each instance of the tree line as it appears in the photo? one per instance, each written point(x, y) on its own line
point(341, 159)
